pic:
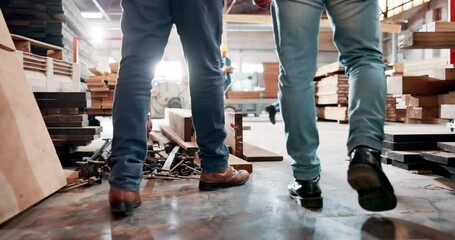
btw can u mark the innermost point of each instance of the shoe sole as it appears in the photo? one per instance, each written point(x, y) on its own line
point(123, 209)
point(310, 202)
point(374, 189)
point(204, 186)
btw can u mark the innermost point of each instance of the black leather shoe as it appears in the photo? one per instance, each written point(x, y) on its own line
point(366, 176)
point(306, 193)
point(272, 112)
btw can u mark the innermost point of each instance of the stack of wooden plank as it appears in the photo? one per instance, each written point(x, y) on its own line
point(271, 72)
point(331, 91)
point(55, 22)
point(394, 113)
point(66, 121)
point(102, 87)
point(422, 152)
point(243, 94)
point(434, 35)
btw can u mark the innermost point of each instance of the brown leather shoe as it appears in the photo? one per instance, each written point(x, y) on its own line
point(124, 202)
point(227, 178)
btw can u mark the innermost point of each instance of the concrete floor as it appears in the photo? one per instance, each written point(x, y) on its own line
point(260, 209)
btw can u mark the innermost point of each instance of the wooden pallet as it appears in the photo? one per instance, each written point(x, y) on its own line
point(25, 44)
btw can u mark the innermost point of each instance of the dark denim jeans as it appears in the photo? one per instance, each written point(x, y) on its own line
point(355, 25)
point(146, 25)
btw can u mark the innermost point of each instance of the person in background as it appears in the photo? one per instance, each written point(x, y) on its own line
point(358, 40)
point(225, 66)
point(273, 109)
point(146, 26)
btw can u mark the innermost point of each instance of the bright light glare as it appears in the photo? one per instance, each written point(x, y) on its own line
point(169, 70)
point(97, 34)
point(92, 15)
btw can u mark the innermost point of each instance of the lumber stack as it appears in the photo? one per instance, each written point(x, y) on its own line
point(54, 22)
point(244, 94)
point(102, 89)
point(271, 72)
point(331, 91)
point(66, 121)
point(421, 152)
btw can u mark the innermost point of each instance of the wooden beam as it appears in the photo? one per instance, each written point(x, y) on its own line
point(234, 130)
point(239, 163)
point(252, 153)
point(419, 85)
point(427, 40)
point(181, 123)
point(187, 146)
point(440, 157)
point(419, 137)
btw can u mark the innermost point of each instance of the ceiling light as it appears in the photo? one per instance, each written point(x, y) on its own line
point(92, 14)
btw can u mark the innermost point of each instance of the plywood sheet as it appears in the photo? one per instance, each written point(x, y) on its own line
point(29, 168)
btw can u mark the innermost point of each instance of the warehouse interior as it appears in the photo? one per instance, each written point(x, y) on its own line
point(61, 60)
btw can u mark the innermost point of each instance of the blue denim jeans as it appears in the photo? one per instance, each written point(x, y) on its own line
point(146, 25)
point(357, 37)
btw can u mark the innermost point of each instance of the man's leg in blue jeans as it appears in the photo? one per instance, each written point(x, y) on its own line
point(145, 26)
point(358, 39)
point(296, 28)
point(199, 25)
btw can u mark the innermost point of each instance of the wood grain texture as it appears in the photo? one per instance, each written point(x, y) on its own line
point(169, 133)
point(240, 164)
point(29, 168)
point(180, 121)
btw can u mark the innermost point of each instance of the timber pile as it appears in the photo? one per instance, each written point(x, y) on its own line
point(54, 22)
point(102, 89)
point(66, 121)
point(421, 152)
point(271, 72)
point(331, 89)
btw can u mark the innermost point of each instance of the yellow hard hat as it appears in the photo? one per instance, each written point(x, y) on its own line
point(224, 48)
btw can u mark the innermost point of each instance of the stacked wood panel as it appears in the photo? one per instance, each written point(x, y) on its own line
point(102, 88)
point(270, 76)
point(421, 152)
point(66, 120)
point(331, 89)
point(54, 22)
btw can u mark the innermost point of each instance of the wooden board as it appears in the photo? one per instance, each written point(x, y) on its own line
point(447, 146)
point(53, 51)
point(418, 85)
point(169, 133)
point(419, 137)
point(234, 131)
point(244, 94)
point(440, 157)
point(329, 69)
point(74, 130)
point(45, 103)
point(332, 113)
point(67, 124)
point(414, 165)
point(443, 74)
point(65, 118)
point(440, 26)
point(29, 167)
point(181, 122)
point(252, 153)
point(62, 95)
point(405, 156)
point(427, 40)
point(240, 164)
point(407, 146)
point(6, 43)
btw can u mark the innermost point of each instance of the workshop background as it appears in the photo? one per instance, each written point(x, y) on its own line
point(59, 61)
